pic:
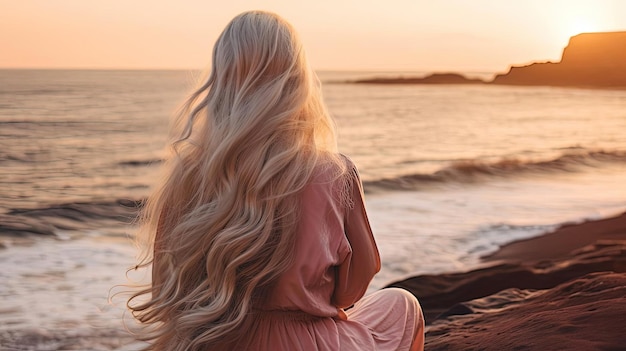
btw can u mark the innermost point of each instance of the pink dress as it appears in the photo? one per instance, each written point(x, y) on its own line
point(336, 258)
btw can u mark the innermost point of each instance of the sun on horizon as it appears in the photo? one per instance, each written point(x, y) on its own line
point(579, 17)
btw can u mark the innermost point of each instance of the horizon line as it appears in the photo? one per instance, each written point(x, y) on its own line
point(200, 69)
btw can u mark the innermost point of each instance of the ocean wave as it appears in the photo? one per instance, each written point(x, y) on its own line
point(39, 122)
point(51, 91)
point(19, 226)
point(24, 157)
point(138, 163)
point(472, 171)
point(487, 239)
point(69, 216)
point(118, 209)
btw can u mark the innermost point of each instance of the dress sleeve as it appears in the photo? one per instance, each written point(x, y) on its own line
point(362, 262)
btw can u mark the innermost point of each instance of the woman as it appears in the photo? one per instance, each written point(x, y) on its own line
point(258, 236)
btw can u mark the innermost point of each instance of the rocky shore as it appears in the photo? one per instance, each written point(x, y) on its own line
point(565, 290)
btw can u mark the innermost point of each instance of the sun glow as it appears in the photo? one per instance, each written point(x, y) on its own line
point(478, 35)
point(570, 18)
point(583, 16)
point(581, 25)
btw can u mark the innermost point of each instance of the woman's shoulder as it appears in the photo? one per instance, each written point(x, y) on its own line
point(348, 162)
point(336, 177)
point(330, 168)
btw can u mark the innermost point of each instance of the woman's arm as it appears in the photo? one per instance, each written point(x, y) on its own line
point(363, 261)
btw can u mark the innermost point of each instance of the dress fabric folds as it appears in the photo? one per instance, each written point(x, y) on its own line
point(319, 303)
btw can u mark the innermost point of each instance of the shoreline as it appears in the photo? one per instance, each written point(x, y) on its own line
point(565, 289)
point(534, 278)
point(560, 243)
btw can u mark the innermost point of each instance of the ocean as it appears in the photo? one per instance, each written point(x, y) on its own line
point(450, 173)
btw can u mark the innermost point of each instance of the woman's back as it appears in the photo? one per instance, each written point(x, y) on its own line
point(322, 247)
point(257, 235)
point(335, 258)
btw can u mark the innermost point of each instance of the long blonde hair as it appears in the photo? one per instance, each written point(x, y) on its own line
point(219, 229)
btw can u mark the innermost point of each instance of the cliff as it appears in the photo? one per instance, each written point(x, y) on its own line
point(589, 60)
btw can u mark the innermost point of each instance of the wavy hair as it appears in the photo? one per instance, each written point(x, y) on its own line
point(219, 229)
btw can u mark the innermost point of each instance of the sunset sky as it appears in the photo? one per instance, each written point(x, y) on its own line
point(413, 35)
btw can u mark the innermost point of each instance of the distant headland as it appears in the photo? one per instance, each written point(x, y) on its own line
point(435, 78)
point(592, 60)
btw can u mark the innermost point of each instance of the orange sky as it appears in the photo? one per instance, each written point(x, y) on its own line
point(416, 35)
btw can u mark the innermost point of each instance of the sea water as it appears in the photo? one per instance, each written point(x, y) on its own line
point(450, 172)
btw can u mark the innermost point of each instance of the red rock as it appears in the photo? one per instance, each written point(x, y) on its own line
point(584, 314)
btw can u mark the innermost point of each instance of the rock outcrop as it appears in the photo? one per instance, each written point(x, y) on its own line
point(582, 314)
point(565, 290)
point(435, 78)
point(595, 60)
